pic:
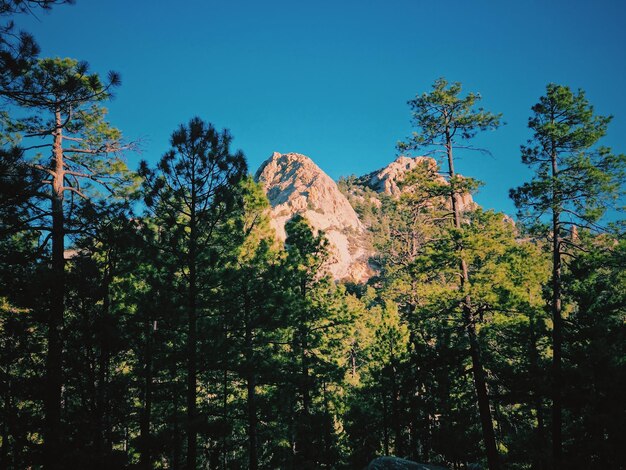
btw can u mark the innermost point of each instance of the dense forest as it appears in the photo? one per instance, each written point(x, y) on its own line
point(150, 318)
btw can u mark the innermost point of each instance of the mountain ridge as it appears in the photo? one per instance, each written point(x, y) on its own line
point(295, 184)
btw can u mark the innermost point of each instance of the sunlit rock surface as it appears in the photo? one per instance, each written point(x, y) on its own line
point(388, 180)
point(296, 185)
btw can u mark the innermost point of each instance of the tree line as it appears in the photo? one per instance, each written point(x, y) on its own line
point(151, 319)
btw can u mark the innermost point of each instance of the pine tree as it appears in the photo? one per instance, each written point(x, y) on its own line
point(192, 193)
point(63, 98)
point(575, 181)
point(18, 49)
point(253, 300)
point(443, 119)
point(596, 376)
point(96, 390)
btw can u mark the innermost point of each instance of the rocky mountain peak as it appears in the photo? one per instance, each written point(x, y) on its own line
point(387, 179)
point(294, 184)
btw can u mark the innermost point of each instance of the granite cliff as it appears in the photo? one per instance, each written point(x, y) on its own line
point(388, 180)
point(294, 184)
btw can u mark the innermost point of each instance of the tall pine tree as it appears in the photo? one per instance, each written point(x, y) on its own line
point(575, 181)
point(443, 120)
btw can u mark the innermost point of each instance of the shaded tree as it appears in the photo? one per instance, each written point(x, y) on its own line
point(18, 49)
point(63, 98)
point(594, 377)
point(575, 181)
point(191, 193)
point(444, 120)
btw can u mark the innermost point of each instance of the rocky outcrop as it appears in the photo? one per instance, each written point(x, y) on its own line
point(296, 185)
point(388, 180)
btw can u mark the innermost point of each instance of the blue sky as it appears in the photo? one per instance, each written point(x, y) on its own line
point(331, 79)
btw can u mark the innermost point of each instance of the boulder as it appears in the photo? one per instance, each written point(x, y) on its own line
point(396, 463)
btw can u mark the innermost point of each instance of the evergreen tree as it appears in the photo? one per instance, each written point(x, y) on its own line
point(18, 49)
point(443, 120)
point(596, 376)
point(253, 300)
point(192, 192)
point(22, 342)
point(63, 98)
point(319, 320)
point(575, 181)
point(96, 388)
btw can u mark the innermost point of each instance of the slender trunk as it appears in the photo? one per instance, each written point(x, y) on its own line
point(54, 374)
point(176, 425)
point(224, 413)
point(395, 411)
point(478, 372)
point(144, 427)
point(4, 452)
point(417, 431)
point(253, 459)
point(385, 421)
point(303, 333)
point(480, 383)
point(557, 333)
point(253, 463)
point(103, 433)
point(306, 397)
point(192, 340)
point(538, 459)
point(293, 434)
point(191, 383)
point(328, 432)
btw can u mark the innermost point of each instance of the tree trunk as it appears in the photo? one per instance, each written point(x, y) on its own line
point(4, 450)
point(478, 372)
point(538, 461)
point(253, 463)
point(225, 413)
point(306, 397)
point(489, 437)
point(192, 340)
point(328, 431)
point(385, 423)
point(54, 374)
point(176, 458)
point(557, 333)
point(102, 406)
point(144, 427)
point(395, 411)
point(303, 333)
point(191, 379)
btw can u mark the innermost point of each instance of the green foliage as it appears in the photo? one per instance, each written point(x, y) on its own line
point(572, 174)
point(596, 355)
point(61, 99)
point(193, 338)
point(442, 116)
point(575, 181)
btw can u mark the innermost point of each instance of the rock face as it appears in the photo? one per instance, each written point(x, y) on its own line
point(387, 180)
point(296, 185)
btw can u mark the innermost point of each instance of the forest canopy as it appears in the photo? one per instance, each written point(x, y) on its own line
point(151, 317)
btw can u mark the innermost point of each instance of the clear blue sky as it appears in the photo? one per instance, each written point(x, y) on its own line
point(330, 79)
